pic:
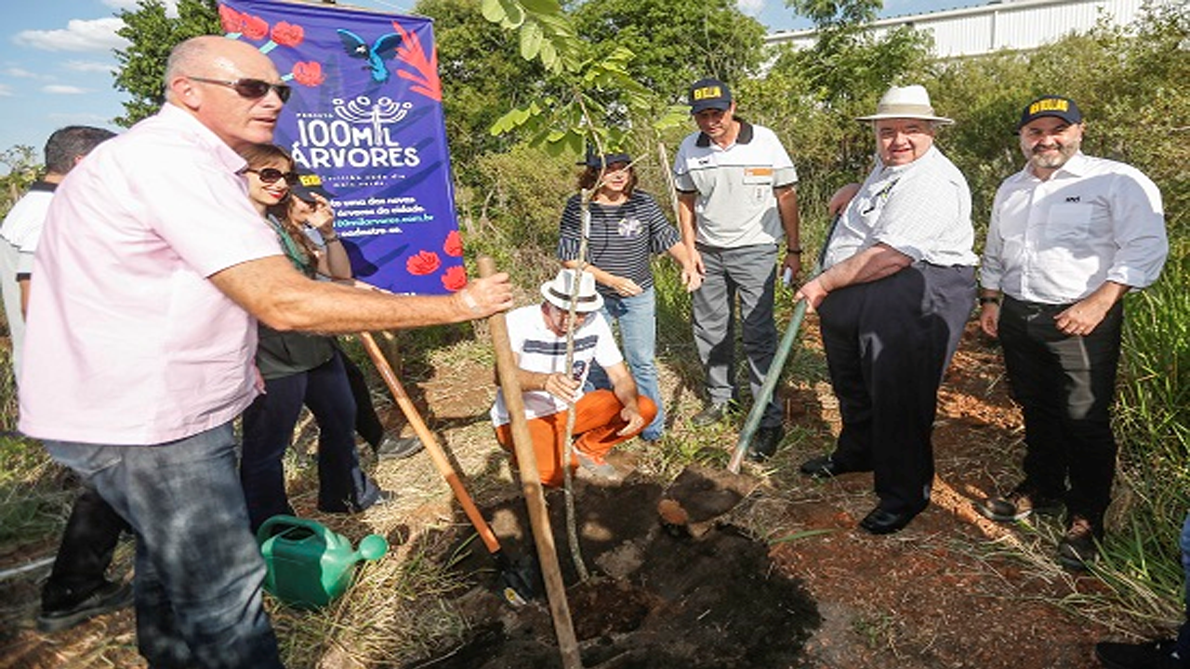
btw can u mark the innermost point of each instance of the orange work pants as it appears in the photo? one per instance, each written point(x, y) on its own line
point(596, 422)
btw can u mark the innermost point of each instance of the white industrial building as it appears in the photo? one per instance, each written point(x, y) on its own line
point(1006, 24)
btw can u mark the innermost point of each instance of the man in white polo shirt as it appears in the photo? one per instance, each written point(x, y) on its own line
point(736, 203)
point(897, 287)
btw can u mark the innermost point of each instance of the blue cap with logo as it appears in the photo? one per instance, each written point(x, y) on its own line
point(709, 94)
point(1050, 105)
point(307, 184)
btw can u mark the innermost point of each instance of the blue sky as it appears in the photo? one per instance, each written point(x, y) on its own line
point(56, 59)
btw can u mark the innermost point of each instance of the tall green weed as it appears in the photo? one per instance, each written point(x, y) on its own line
point(1141, 557)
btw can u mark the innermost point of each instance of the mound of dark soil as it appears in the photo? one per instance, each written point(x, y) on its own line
point(658, 597)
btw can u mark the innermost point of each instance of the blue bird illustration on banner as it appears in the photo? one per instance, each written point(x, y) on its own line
point(383, 49)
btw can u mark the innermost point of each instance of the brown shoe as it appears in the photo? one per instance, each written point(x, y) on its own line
point(1017, 505)
point(1077, 549)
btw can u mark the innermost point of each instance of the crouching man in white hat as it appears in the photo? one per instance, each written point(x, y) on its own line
point(603, 418)
point(897, 287)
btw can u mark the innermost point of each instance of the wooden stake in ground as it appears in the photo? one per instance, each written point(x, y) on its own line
point(539, 520)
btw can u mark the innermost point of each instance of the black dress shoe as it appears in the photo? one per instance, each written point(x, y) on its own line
point(880, 521)
point(1150, 655)
point(825, 466)
point(766, 442)
point(111, 596)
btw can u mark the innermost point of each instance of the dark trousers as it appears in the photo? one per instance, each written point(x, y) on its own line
point(268, 431)
point(1065, 386)
point(888, 343)
point(367, 423)
point(85, 553)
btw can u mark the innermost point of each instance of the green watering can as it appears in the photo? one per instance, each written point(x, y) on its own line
point(309, 565)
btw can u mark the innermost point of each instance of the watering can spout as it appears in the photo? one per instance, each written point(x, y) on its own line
point(371, 547)
point(308, 564)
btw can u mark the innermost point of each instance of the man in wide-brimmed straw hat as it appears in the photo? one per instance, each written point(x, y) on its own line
point(603, 418)
point(897, 286)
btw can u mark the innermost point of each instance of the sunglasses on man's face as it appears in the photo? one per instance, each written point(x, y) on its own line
point(271, 175)
point(252, 89)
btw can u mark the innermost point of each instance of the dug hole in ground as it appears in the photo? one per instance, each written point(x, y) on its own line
point(783, 577)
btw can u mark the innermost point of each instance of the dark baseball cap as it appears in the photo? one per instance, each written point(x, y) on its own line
point(709, 94)
point(307, 184)
point(596, 161)
point(1050, 105)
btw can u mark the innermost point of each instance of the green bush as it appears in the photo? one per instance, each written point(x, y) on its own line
point(512, 210)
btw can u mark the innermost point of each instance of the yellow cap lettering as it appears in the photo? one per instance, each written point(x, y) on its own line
point(707, 92)
point(1049, 104)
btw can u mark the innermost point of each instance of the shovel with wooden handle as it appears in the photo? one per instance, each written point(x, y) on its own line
point(516, 575)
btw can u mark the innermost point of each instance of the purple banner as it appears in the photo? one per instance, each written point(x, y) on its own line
point(366, 116)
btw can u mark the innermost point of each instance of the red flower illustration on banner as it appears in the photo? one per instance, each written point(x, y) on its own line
point(308, 73)
point(453, 246)
point(255, 27)
point(411, 53)
point(288, 34)
point(454, 278)
point(231, 20)
point(425, 262)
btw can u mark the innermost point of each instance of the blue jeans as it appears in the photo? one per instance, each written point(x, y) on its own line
point(199, 574)
point(268, 431)
point(637, 317)
point(1184, 632)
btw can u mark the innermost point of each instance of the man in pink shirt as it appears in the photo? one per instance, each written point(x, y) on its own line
point(141, 337)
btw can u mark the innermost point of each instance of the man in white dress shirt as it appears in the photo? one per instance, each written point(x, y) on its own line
point(1069, 236)
point(897, 287)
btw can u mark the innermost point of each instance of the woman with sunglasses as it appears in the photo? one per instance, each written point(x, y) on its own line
point(310, 210)
point(299, 368)
point(627, 229)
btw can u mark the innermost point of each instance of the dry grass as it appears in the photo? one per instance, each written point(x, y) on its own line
point(405, 606)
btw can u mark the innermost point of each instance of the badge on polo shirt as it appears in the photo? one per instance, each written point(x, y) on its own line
point(758, 175)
